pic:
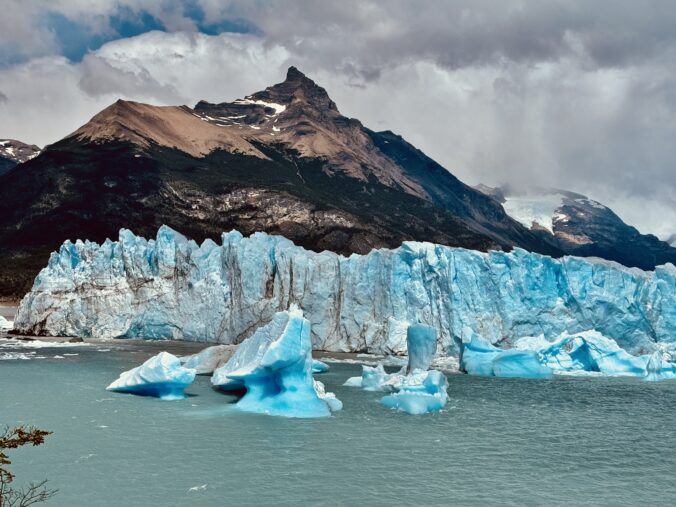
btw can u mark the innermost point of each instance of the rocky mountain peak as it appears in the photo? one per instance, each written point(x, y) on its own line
point(297, 88)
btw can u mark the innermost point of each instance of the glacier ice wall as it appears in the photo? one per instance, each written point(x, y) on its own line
point(172, 288)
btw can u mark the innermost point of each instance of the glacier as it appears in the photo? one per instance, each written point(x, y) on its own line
point(172, 288)
point(161, 376)
point(274, 367)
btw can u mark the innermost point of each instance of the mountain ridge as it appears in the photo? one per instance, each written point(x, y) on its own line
point(283, 160)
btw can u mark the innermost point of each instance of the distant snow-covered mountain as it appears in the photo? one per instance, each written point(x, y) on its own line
point(579, 225)
point(13, 152)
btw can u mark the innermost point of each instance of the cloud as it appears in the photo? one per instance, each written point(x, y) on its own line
point(579, 95)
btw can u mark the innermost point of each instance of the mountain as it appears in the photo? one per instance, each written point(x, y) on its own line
point(13, 152)
point(581, 226)
point(283, 160)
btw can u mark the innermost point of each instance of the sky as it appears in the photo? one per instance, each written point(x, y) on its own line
point(573, 94)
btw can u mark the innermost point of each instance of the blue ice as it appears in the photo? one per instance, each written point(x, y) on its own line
point(161, 376)
point(274, 367)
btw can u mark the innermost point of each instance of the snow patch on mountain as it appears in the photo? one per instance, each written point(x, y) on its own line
point(534, 209)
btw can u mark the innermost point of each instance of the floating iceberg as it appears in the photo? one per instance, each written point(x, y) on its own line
point(161, 376)
point(419, 393)
point(319, 366)
point(581, 353)
point(209, 359)
point(421, 341)
point(274, 366)
point(481, 358)
point(659, 367)
point(172, 288)
point(414, 389)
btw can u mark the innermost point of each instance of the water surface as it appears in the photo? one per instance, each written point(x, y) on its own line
point(500, 441)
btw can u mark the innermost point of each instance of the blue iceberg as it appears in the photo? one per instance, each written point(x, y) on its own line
point(585, 353)
point(481, 358)
point(421, 342)
point(274, 367)
point(419, 393)
point(415, 389)
point(659, 367)
point(319, 366)
point(520, 364)
point(161, 376)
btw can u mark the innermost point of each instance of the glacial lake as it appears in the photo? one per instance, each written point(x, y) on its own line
point(568, 441)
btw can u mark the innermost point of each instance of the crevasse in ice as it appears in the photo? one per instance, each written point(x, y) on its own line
point(172, 288)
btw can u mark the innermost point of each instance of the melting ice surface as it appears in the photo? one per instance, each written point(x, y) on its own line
point(161, 376)
point(172, 288)
point(274, 366)
point(415, 389)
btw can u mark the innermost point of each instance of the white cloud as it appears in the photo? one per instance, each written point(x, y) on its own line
point(605, 131)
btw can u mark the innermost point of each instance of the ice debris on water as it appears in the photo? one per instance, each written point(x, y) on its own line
point(580, 353)
point(161, 376)
point(414, 389)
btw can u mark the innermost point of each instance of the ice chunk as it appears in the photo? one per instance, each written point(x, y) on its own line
point(5, 325)
point(592, 352)
point(274, 366)
point(659, 367)
point(477, 356)
point(161, 376)
point(520, 364)
point(419, 394)
point(319, 366)
point(421, 341)
point(414, 389)
point(329, 398)
point(209, 359)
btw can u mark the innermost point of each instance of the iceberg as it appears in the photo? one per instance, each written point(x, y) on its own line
point(481, 358)
point(161, 376)
point(659, 367)
point(415, 389)
point(209, 359)
point(421, 341)
point(274, 367)
point(319, 366)
point(170, 287)
point(420, 393)
point(588, 352)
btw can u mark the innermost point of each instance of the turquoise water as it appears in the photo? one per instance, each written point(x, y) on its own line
point(569, 441)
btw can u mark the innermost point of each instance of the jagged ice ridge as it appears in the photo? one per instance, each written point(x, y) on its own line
point(172, 288)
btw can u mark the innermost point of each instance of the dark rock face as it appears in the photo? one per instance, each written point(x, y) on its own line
point(14, 152)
